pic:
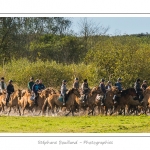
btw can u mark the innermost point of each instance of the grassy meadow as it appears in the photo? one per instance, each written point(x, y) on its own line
point(77, 124)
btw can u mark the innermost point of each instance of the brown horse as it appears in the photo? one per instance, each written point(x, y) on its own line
point(146, 100)
point(13, 101)
point(125, 99)
point(89, 104)
point(53, 101)
point(132, 105)
point(108, 102)
point(27, 103)
point(2, 101)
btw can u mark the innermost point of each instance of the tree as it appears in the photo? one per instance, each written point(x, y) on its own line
point(16, 33)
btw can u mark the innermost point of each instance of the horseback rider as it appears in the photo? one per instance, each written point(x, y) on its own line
point(76, 83)
point(118, 84)
point(138, 90)
point(41, 85)
point(10, 90)
point(35, 90)
point(3, 85)
point(85, 89)
point(144, 85)
point(30, 83)
point(108, 85)
point(102, 86)
point(64, 90)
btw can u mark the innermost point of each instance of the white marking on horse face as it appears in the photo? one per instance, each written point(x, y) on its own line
point(98, 97)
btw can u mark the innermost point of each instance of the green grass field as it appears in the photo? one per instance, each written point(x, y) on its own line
point(83, 124)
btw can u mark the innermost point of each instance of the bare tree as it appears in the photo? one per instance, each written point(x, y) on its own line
point(91, 32)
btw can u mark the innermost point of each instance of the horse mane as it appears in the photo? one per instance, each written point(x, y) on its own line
point(93, 90)
point(126, 91)
point(14, 93)
point(70, 91)
point(147, 91)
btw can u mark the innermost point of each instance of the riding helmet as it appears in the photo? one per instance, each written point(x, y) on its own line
point(2, 78)
point(138, 80)
point(85, 80)
point(102, 80)
point(37, 80)
point(119, 79)
point(76, 79)
point(31, 78)
point(10, 81)
point(64, 81)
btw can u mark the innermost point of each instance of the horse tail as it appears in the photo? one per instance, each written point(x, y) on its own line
point(45, 105)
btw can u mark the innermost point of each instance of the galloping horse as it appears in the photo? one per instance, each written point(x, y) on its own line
point(90, 102)
point(124, 99)
point(109, 103)
point(26, 102)
point(54, 100)
point(146, 100)
point(13, 101)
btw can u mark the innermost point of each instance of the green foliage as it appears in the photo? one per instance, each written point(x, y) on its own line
point(44, 47)
point(125, 56)
point(65, 49)
point(51, 73)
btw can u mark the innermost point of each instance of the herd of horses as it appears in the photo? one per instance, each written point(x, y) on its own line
point(49, 103)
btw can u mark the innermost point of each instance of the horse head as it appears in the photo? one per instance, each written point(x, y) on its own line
point(115, 89)
point(73, 91)
point(45, 92)
point(96, 90)
point(19, 93)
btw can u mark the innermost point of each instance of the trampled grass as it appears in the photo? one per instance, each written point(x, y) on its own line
point(82, 124)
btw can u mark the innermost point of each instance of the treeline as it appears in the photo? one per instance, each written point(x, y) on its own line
point(47, 48)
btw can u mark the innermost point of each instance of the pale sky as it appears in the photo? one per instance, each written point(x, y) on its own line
point(118, 25)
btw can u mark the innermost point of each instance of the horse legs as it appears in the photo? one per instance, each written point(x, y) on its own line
point(9, 110)
point(98, 108)
point(79, 110)
point(106, 110)
point(19, 110)
point(68, 113)
point(53, 107)
point(3, 110)
point(44, 107)
point(23, 109)
point(111, 111)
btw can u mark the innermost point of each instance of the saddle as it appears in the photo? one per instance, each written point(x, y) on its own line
point(61, 98)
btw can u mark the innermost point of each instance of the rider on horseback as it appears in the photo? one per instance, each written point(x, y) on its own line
point(30, 84)
point(10, 90)
point(2, 85)
point(119, 86)
point(138, 90)
point(108, 85)
point(85, 89)
point(144, 85)
point(35, 90)
point(41, 85)
point(63, 90)
point(102, 86)
point(76, 83)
